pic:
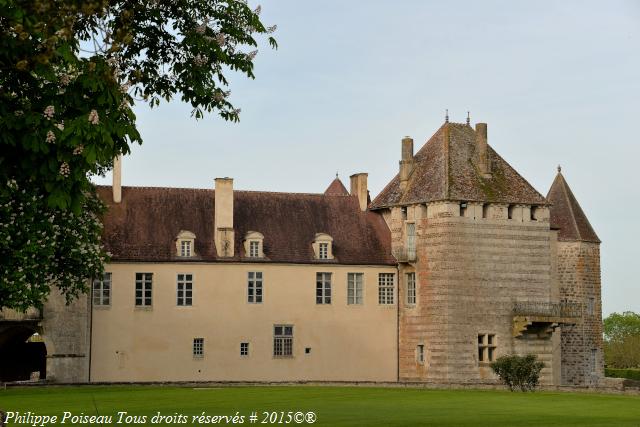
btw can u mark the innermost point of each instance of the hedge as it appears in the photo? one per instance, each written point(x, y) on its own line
point(632, 374)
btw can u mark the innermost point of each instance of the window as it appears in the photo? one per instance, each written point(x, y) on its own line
point(420, 354)
point(283, 341)
point(354, 288)
point(102, 290)
point(385, 288)
point(324, 251)
point(244, 349)
point(254, 287)
point(143, 289)
point(485, 210)
point(411, 240)
point(510, 211)
point(411, 288)
point(253, 244)
point(198, 347)
point(185, 248)
point(322, 246)
point(185, 289)
point(486, 347)
point(254, 249)
point(185, 242)
point(323, 288)
point(463, 208)
point(534, 213)
point(591, 306)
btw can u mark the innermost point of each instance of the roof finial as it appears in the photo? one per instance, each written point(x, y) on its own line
point(336, 175)
point(446, 116)
point(468, 119)
point(559, 168)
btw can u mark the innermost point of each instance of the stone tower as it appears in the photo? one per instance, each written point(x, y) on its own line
point(579, 280)
point(475, 247)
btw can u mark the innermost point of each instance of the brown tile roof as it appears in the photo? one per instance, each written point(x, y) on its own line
point(567, 215)
point(143, 227)
point(448, 171)
point(336, 188)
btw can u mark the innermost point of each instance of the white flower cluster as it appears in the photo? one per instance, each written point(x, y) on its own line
point(78, 150)
point(65, 170)
point(51, 137)
point(93, 117)
point(199, 60)
point(49, 112)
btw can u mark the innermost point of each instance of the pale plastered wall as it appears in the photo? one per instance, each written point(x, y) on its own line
point(350, 343)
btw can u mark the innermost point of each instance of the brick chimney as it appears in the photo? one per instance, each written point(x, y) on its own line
point(406, 162)
point(484, 163)
point(359, 189)
point(223, 221)
point(117, 179)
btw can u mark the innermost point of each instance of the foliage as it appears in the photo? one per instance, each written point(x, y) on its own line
point(622, 340)
point(631, 374)
point(521, 372)
point(70, 73)
point(56, 248)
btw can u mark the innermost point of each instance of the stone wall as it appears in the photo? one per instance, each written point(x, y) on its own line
point(470, 272)
point(579, 278)
point(66, 333)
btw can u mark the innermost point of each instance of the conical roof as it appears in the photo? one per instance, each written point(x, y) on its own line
point(336, 188)
point(567, 215)
point(447, 168)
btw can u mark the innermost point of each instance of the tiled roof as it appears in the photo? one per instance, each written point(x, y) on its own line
point(447, 169)
point(567, 215)
point(143, 227)
point(336, 188)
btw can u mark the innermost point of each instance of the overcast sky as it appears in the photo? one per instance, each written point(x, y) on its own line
point(557, 83)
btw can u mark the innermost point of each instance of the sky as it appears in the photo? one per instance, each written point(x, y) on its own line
point(557, 83)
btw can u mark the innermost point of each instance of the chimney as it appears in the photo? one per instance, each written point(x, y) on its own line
point(359, 189)
point(406, 162)
point(484, 163)
point(117, 179)
point(223, 221)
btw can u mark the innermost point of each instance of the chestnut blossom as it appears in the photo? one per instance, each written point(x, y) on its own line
point(65, 170)
point(65, 79)
point(51, 137)
point(201, 29)
point(199, 60)
point(60, 125)
point(220, 39)
point(78, 150)
point(49, 112)
point(93, 117)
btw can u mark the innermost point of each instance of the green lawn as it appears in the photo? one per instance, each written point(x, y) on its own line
point(337, 405)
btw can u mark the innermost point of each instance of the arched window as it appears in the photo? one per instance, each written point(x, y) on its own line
point(323, 246)
point(185, 244)
point(253, 244)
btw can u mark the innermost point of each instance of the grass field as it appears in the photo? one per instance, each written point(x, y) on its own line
point(335, 405)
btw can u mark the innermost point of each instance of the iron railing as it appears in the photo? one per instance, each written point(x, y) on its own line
point(405, 254)
point(550, 309)
point(32, 314)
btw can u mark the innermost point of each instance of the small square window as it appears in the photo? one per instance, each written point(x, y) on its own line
point(244, 349)
point(420, 354)
point(486, 347)
point(307, 350)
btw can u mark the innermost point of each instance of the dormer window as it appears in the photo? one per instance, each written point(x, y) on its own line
point(324, 251)
point(463, 208)
point(253, 244)
point(185, 244)
point(185, 248)
point(534, 213)
point(323, 246)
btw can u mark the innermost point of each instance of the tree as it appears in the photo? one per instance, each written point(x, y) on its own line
point(622, 340)
point(521, 372)
point(70, 72)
